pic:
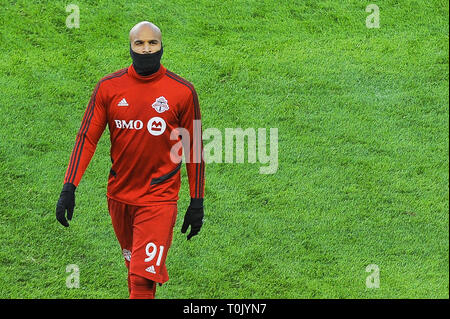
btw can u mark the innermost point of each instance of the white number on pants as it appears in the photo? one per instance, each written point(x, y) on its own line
point(151, 250)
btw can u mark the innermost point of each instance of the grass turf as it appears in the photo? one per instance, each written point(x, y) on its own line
point(362, 118)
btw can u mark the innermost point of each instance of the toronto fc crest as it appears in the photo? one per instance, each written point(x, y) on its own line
point(160, 105)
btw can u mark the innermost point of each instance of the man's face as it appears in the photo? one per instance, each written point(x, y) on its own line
point(145, 40)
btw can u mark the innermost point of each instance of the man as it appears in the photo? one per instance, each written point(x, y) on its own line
point(149, 111)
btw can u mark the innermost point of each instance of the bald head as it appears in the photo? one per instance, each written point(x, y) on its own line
point(145, 38)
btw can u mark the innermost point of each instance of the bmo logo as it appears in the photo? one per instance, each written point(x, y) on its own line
point(131, 124)
point(156, 125)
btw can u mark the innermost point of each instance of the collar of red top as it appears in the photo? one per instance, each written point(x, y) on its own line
point(158, 74)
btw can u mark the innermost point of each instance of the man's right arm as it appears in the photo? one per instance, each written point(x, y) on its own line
point(91, 129)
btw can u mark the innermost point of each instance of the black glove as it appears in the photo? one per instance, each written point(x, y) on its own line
point(66, 202)
point(193, 217)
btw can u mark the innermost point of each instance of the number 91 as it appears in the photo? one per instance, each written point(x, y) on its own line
point(151, 250)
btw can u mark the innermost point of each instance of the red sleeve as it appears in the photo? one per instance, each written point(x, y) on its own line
point(195, 165)
point(92, 127)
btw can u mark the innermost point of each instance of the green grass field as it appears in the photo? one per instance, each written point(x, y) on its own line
point(363, 122)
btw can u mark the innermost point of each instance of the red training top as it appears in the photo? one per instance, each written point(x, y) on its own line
point(149, 118)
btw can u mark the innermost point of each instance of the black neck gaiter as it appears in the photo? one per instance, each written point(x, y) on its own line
point(146, 64)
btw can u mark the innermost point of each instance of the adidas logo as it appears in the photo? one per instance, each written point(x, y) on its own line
point(122, 102)
point(151, 269)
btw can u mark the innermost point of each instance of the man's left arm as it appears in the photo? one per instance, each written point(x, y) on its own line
point(190, 120)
